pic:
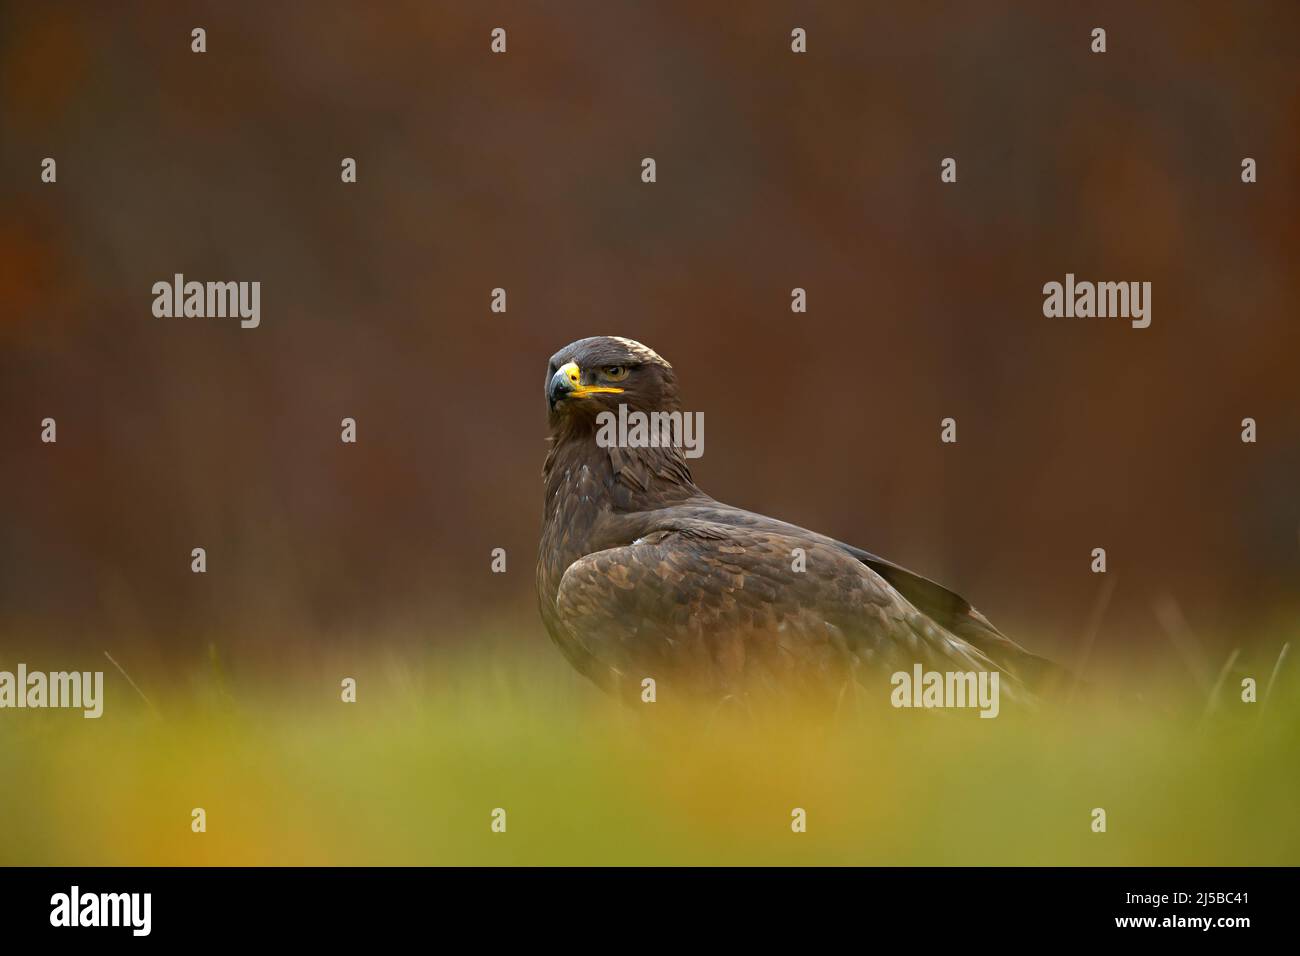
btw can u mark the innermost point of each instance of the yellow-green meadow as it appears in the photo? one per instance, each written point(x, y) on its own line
point(412, 772)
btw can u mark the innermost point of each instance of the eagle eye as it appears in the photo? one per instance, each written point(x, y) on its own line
point(615, 373)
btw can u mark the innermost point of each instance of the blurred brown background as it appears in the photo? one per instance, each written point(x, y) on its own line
point(775, 170)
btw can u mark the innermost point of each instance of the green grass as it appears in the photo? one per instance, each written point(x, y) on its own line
point(411, 773)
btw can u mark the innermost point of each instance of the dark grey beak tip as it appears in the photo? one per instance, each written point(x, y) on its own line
point(557, 389)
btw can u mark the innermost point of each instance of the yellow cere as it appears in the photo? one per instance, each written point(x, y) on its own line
point(574, 375)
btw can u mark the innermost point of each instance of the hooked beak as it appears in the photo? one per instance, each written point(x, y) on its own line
point(567, 383)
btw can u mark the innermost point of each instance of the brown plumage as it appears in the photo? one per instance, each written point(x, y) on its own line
point(641, 574)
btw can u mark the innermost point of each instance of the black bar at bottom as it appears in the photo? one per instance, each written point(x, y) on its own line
point(546, 906)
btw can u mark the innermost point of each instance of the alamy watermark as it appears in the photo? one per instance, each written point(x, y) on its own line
point(922, 688)
point(636, 429)
point(1124, 300)
point(219, 300)
point(75, 908)
point(37, 689)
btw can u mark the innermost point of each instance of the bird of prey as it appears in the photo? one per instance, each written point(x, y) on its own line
point(641, 574)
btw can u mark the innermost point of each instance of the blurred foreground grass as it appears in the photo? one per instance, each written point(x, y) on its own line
point(410, 774)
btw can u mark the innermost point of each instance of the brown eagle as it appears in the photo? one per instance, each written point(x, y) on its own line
point(641, 574)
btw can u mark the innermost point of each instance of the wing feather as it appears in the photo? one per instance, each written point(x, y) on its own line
point(723, 609)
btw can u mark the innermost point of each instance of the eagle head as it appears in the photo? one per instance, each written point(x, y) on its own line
point(600, 373)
